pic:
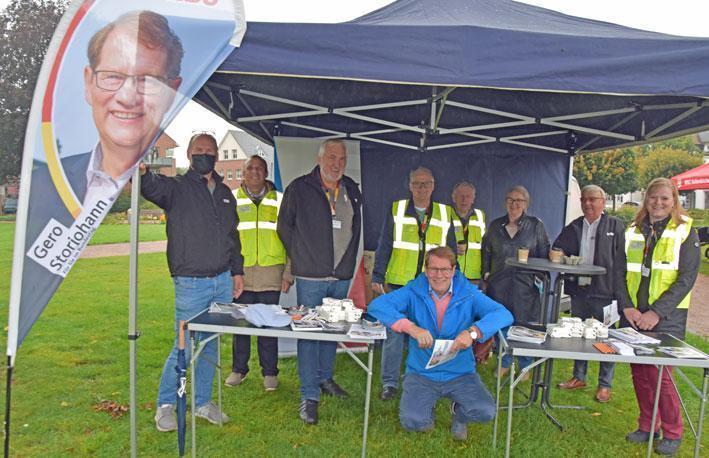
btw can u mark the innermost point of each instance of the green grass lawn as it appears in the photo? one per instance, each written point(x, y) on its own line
point(120, 233)
point(77, 355)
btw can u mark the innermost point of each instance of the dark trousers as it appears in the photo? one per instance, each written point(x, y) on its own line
point(267, 346)
point(583, 308)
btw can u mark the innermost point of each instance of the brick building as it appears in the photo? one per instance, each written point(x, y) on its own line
point(234, 149)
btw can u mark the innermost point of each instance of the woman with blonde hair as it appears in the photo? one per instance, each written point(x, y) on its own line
point(662, 260)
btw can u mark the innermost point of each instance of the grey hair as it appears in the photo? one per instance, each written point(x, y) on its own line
point(462, 184)
point(522, 190)
point(420, 169)
point(199, 135)
point(590, 188)
point(328, 142)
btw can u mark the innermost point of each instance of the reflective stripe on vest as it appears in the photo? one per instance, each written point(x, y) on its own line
point(403, 262)
point(257, 229)
point(665, 260)
point(471, 262)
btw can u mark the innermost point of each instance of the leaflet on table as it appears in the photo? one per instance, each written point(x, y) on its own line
point(632, 336)
point(442, 353)
point(683, 352)
point(610, 314)
point(522, 334)
point(306, 325)
point(358, 331)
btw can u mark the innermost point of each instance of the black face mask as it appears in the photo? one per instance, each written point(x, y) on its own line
point(203, 163)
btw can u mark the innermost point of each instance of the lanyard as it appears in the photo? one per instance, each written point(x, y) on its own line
point(332, 199)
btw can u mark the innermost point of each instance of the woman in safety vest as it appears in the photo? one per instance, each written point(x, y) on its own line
point(662, 252)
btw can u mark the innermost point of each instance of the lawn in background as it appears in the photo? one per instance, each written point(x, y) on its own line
point(120, 233)
point(77, 356)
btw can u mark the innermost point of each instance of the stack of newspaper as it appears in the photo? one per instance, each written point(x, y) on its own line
point(522, 334)
point(632, 336)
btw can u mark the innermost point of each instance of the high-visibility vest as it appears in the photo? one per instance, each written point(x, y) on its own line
point(471, 262)
point(403, 263)
point(665, 260)
point(257, 229)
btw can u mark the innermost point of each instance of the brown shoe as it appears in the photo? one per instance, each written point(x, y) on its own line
point(603, 394)
point(572, 384)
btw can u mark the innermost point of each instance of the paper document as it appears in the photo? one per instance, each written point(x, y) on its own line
point(610, 314)
point(442, 353)
point(357, 331)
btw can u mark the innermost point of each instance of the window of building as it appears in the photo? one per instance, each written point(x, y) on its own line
point(234, 154)
point(225, 154)
point(238, 174)
point(229, 175)
point(170, 152)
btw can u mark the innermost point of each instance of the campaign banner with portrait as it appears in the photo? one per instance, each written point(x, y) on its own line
point(115, 75)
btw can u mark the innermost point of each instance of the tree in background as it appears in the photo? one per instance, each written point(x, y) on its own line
point(26, 27)
point(615, 171)
point(665, 162)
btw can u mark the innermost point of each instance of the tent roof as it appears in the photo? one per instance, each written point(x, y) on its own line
point(504, 63)
point(693, 179)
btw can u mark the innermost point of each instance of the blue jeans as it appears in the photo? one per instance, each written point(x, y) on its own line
point(523, 361)
point(393, 353)
point(418, 400)
point(192, 296)
point(316, 359)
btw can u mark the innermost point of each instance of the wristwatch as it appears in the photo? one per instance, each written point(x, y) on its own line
point(474, 334)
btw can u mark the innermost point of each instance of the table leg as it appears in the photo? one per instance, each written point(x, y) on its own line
point(192, 394)
point(510, 410)
point(702, 404)
point(498, 386)
point(367, 397)
point(654, 410)
point(219, 375)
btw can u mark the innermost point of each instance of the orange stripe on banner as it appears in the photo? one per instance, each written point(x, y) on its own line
point(56, 172)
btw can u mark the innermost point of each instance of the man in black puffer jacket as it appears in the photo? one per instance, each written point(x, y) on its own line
point(600, 240)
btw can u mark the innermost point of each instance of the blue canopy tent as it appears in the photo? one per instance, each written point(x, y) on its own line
point(492, 91)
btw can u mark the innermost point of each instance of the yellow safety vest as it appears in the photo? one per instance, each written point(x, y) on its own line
point(257, 229)
point(665, 260)
point(403, 262)
point(471, 262)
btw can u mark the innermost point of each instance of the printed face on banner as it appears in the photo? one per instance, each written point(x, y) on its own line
point(129, 91)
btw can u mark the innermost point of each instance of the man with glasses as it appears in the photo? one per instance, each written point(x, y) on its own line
point(129, 83)
point(442, 305)
point(600, 240)
point(413, 226)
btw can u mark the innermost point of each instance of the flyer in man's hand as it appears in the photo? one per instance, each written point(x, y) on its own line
point(442, 353)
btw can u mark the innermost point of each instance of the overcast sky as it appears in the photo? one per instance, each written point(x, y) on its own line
point(677, 17)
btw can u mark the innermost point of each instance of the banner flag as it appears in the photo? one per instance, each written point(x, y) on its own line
point(115, 75)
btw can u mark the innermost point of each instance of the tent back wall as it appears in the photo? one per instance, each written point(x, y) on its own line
point(385, 174)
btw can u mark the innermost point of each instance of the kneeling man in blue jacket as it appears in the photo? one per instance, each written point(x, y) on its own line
point(442, 304)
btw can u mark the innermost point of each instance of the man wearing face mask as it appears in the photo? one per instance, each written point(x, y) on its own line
point(205, 261)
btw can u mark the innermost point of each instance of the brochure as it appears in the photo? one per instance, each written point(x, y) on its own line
point(306, 325)
point(442, 353)
point(610, 314)
point(522, 334)
point(632, 336)
point(357, 331)
point(683, 352)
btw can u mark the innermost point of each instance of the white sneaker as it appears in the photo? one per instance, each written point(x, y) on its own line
point(211, 413)
point(165, 418)
point(270, 382)
point(234, 379)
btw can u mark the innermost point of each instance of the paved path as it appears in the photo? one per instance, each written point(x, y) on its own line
point(122, 249)
point(698, 321)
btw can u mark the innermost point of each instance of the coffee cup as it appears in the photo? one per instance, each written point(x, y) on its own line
point(523, 254)
point(555, 255)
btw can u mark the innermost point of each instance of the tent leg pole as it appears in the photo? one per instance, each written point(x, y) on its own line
point(8, 388)
point(133, 309)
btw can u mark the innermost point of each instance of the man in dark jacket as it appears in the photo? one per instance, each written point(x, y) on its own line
point(599, 240)
point(319, 224)
point(204, 257)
